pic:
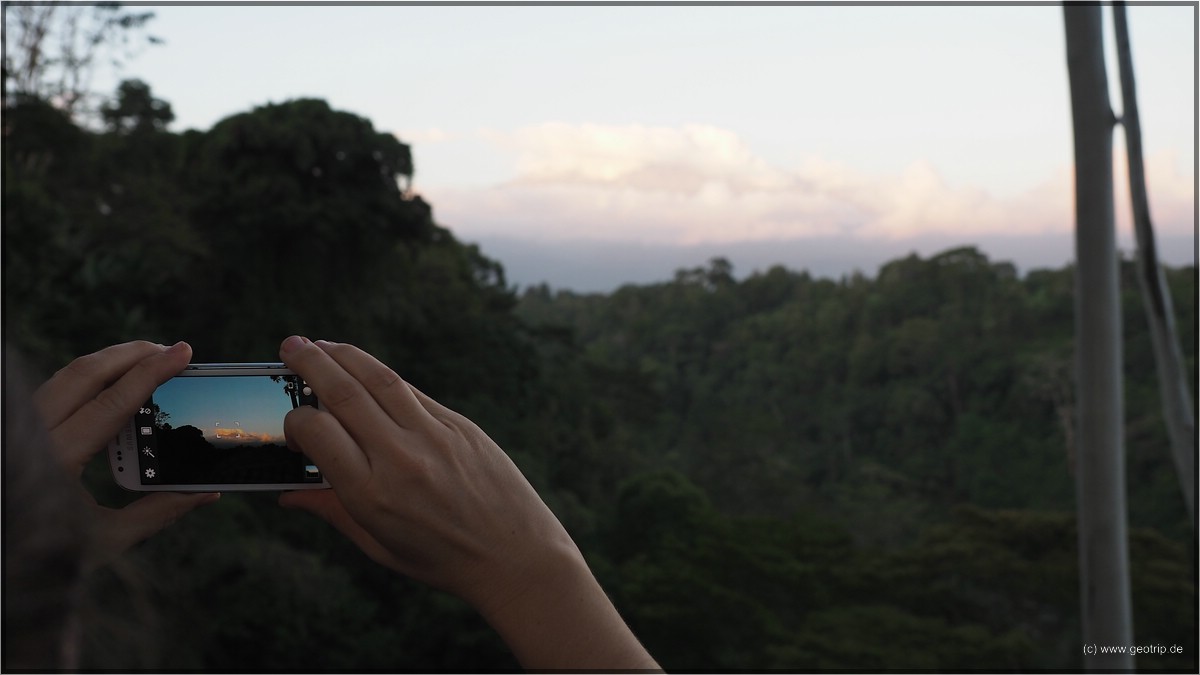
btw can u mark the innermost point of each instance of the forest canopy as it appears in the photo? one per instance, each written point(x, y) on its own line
point(777, 472)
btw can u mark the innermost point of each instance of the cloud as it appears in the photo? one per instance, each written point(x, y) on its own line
point(1170, 191)
point(701, 184)
point(652, 159)
point(239, 436)
point(425, 136)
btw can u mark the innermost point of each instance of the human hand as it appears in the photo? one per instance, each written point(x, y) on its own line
point(420, 488)
point(84, 405)
point(424, 491)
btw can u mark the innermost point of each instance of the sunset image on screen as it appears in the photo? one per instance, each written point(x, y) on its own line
point(228, 412)
point(239, 436)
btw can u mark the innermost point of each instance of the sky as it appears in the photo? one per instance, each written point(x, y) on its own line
point(596, 145)
point(225, 408)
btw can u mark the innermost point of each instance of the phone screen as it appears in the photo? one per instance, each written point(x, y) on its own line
point(225, 429)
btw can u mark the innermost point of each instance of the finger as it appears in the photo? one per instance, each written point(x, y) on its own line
point(322, 439)
point(82, 379)
point(98, 420)
point(340, 394)
point(435, 409)
point(120, 529)
point(326, 505)
point(388, 389)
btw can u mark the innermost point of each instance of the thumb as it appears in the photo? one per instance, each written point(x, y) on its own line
point(117, 530)
point(322, 503)
point(326, 505)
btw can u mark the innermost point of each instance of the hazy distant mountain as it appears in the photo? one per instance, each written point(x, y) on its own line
point(587, 266)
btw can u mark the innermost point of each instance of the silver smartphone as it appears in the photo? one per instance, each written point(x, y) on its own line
point(216, 427)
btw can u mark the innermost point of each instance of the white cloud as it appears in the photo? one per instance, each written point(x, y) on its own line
point(700, 184)
point(651, 159)
point(425, 136)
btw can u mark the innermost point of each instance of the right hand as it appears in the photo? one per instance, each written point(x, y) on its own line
point(424, 491)
point(418, 487)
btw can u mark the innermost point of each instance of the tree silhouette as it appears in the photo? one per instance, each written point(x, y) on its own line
point(135, 110)
point(52, 49)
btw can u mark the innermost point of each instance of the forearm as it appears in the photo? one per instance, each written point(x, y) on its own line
point(563, 620)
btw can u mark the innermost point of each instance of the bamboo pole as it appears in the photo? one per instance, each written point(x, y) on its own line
point(1156, 295)
point(1100, 472)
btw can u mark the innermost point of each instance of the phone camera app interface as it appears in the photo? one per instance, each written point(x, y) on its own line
point(221, 429)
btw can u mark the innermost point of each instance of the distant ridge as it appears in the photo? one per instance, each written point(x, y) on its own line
point(595, 266)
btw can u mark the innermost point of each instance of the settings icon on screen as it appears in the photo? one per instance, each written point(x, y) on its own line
point(149, 473)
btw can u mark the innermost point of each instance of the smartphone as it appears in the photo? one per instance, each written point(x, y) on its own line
point(216, 427)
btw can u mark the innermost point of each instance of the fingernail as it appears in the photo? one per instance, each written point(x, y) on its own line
point(325, 343)
point(210, 498)
point(177, 347)
point(291, 344)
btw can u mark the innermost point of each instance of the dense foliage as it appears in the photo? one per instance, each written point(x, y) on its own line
point(869, 473)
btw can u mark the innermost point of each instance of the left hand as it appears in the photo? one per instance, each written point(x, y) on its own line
point(84, 406)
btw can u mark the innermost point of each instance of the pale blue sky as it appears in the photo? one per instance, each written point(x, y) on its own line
point(693, 125)
point(252, 405)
